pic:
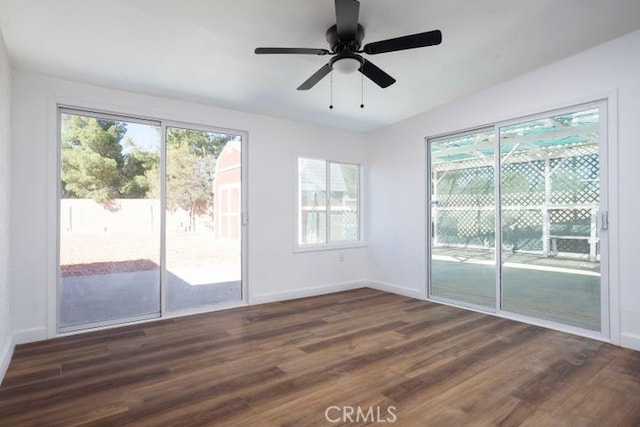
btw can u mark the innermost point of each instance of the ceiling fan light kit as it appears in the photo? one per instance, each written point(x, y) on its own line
point(345, 40)
point(346, 65)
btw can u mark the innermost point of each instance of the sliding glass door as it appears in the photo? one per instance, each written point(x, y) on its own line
point(109, 245)
point(150, 219)
point(543, 176)
point(203, 218)
point(463, 218)
point(550, 202)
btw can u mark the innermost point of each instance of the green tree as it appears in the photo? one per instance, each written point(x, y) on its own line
point(191, 167)
point(135, 184)
point(95, 164)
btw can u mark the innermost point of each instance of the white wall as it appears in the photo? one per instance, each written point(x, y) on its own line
point(397, 166)
point(273, 146)
point(395, 188)
point(6, 341)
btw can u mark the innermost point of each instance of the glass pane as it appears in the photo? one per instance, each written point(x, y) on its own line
point(463, 218)
point(344, 183)
point(312, 175)
point(203, 223)
point(109, 221)
point(550, 187)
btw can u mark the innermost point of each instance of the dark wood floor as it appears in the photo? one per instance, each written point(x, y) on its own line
point(290, 363)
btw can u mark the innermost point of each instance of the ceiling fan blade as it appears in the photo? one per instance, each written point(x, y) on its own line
point(291, 50)
point(347, 18)
point(316, 77)
point(429, 38)
point(378, 76)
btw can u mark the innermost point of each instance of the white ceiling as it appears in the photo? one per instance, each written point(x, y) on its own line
point(202, 50)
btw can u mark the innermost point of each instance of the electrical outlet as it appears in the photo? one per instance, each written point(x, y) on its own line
point(340, 256)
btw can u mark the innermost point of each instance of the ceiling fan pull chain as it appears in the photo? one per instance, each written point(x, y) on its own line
point(361, 90)
point(331, 91)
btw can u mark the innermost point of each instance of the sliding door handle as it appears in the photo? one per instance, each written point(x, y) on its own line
point(604, 220)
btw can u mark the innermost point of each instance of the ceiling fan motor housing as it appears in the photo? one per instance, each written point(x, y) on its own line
point(342, 45)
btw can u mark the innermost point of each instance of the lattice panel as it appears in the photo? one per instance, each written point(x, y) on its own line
point(525, 179)
point(570, 222)
point(468, 227)
point(574, 223)
point(522, 199)
point(522, 230)
point(344, 225)
point(467, 200)
point(576, 180)
point(573, 246)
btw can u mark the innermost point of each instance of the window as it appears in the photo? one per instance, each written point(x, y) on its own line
point(328, 202)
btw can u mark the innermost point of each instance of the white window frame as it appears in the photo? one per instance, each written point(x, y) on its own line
point(327, 244)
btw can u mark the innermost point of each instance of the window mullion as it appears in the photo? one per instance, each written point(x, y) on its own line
point(163, 220)
point(328, 203)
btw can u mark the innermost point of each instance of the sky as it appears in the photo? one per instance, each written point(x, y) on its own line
point(146, 137)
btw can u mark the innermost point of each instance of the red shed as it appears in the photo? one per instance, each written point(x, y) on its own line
point(227, 192)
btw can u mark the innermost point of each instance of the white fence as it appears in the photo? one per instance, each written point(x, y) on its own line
point(123, 216)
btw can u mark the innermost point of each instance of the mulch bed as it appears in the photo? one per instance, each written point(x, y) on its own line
point(98, 268)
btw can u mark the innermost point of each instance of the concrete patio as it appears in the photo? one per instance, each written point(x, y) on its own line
point(561, 290)
point(87, 300)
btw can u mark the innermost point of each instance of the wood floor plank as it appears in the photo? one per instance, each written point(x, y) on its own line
point(285, 363)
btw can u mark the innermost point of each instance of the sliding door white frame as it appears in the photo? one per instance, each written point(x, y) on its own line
point(244, 227)
point(609, 307)
point(54, 297)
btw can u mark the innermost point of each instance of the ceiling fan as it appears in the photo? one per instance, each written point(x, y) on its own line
point(345, 40)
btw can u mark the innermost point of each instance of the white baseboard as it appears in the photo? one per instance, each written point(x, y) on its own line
point(399, 290)
point(5, 357)
point(306, 292)
point(30, 335)
point(631, 341)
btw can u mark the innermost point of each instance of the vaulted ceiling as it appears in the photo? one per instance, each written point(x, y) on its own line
point(203, 50)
